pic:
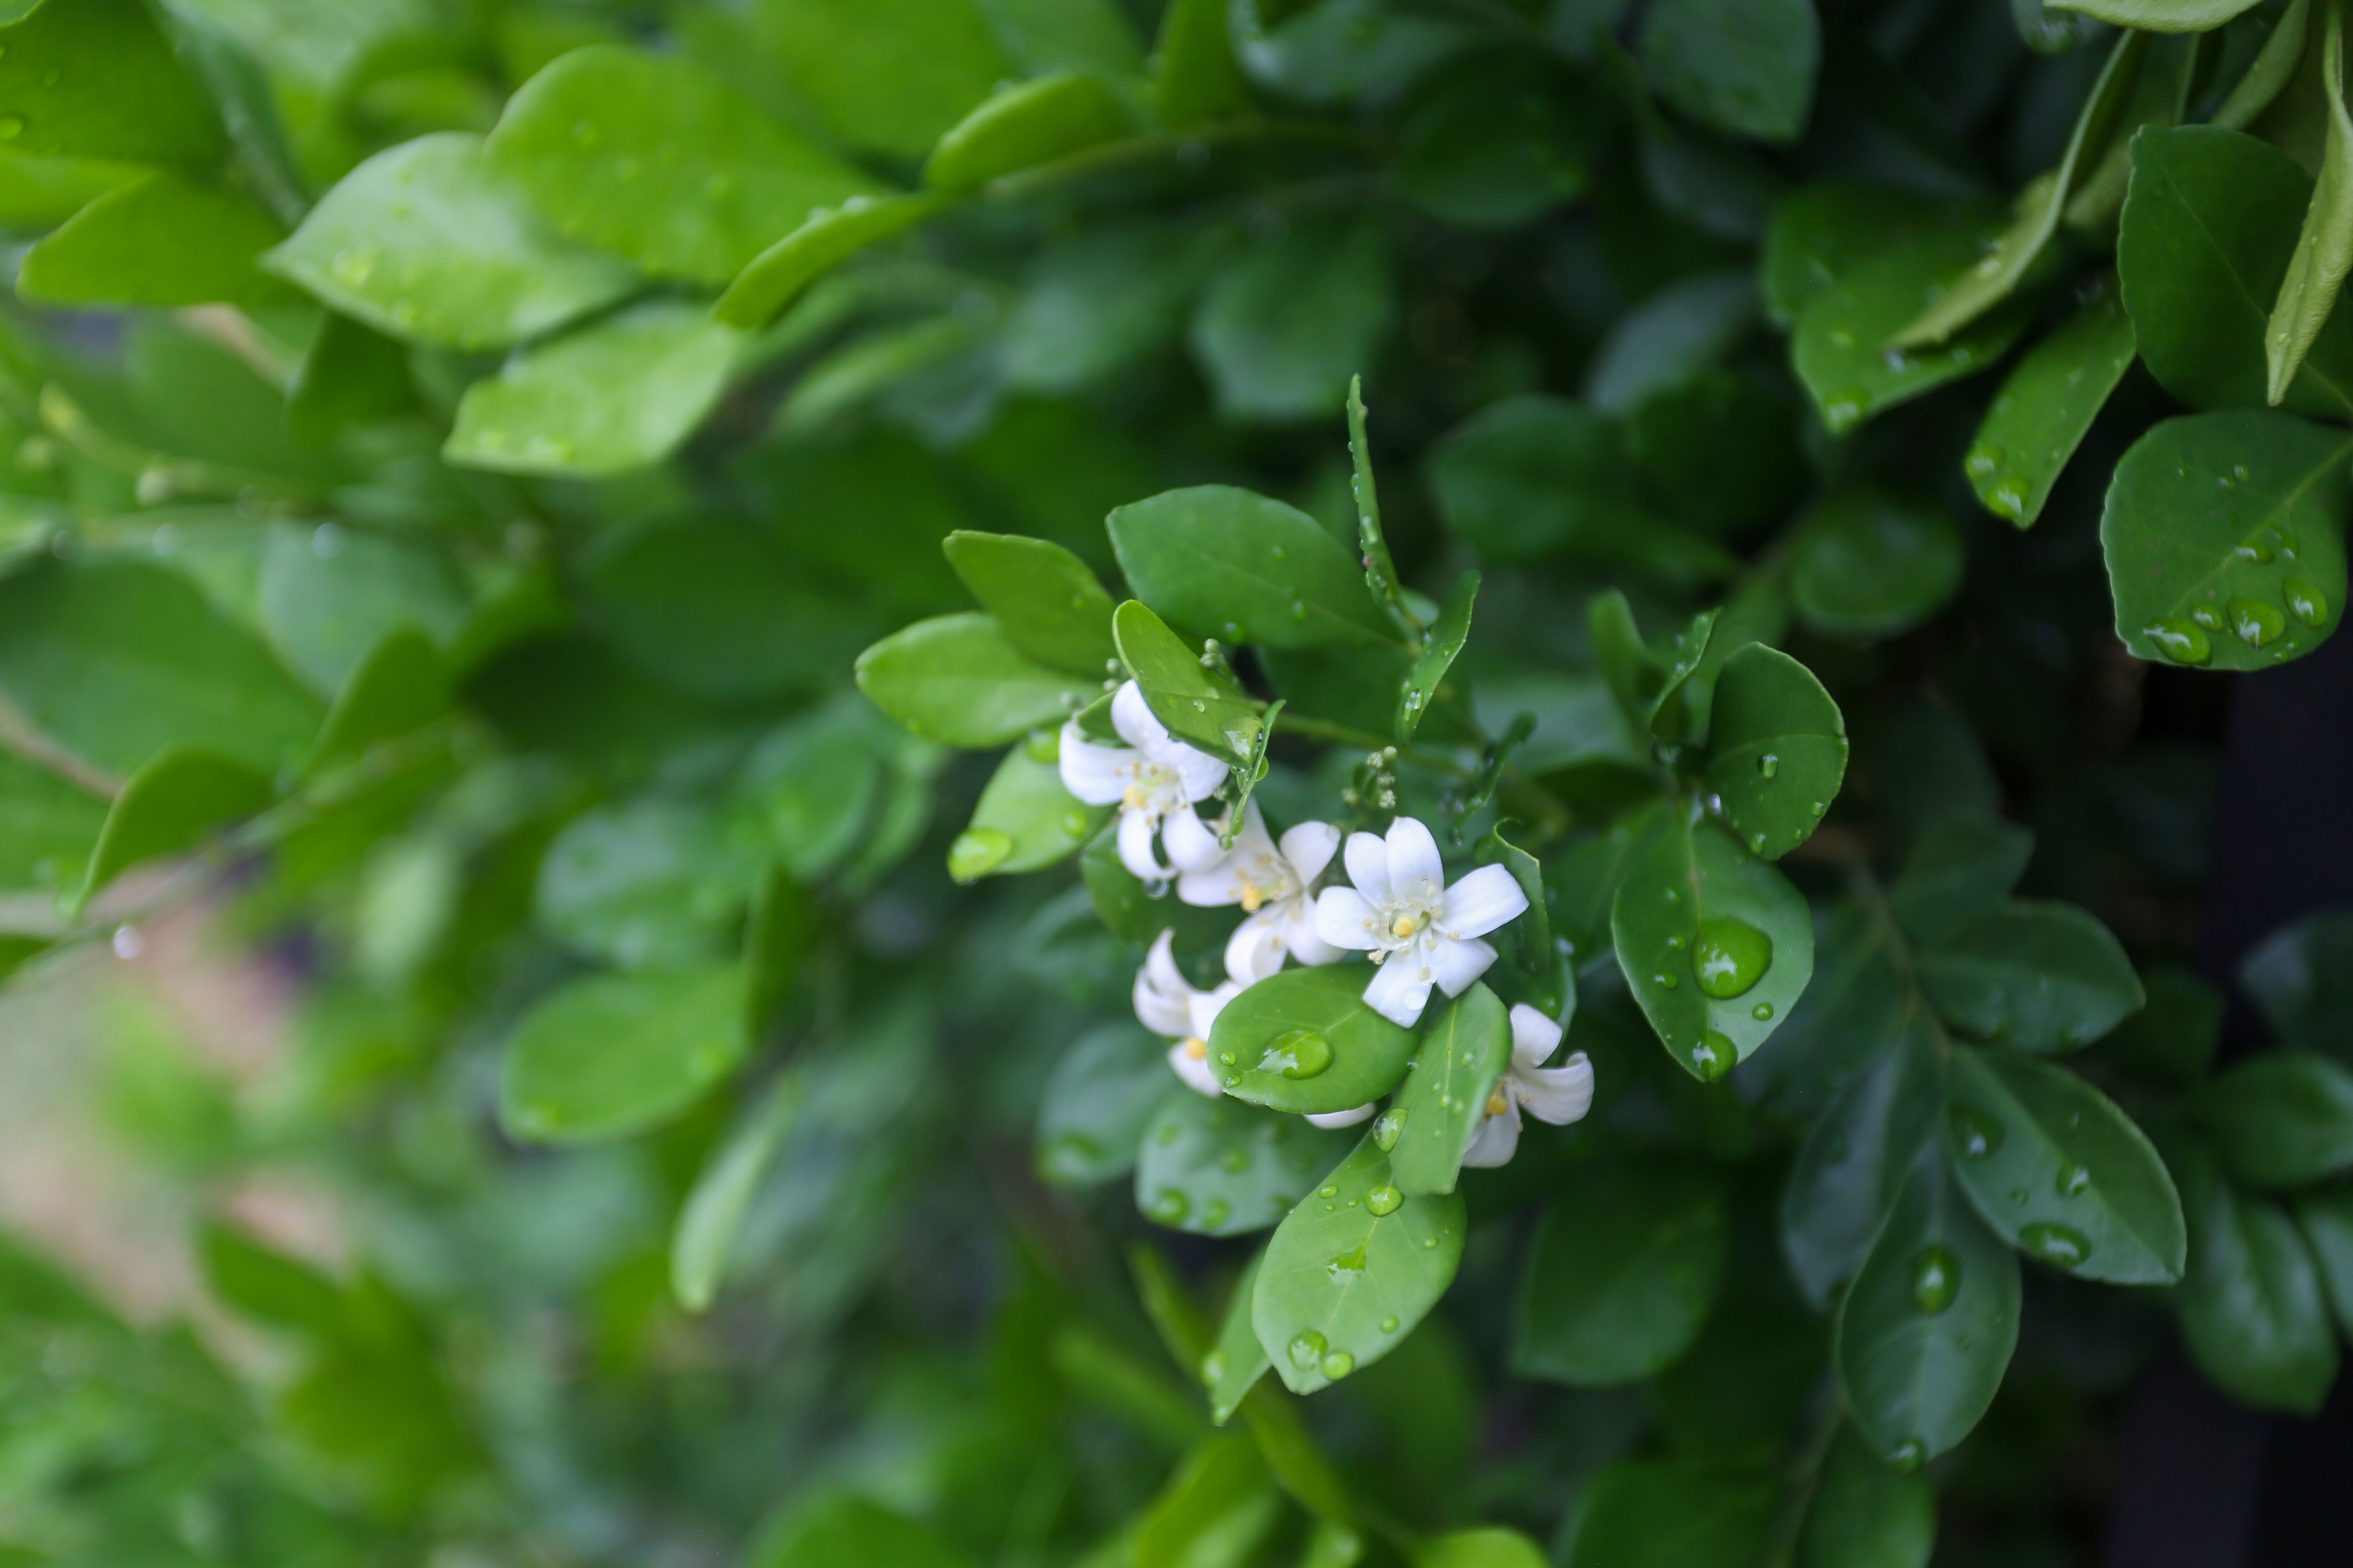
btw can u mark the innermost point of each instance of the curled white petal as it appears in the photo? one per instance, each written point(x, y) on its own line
point(1197, 773)
point(1194, 1070)
point(1132, 716)
point(1414, 871)
point(1096, 775)
point(1294, 921)
point(1256, 950)
point(1495, 1141)
point(1192, 845)
point(1535, 1037)
point(1342, 1118)
point(1481, 901)
point(1558, 1095)
point(1135, 850)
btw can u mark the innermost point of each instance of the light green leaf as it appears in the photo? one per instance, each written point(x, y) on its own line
point(424, 243)
point(827, 237)
point(1025, 821)
point(42, 193)
point(2042, 411)
point(1347, 1274)
point(1963, 868)
point(1746, 68)
point(2283, 1119)
point(1022, 126)
point(1201, 706)
point(1925, 1331)
point(810, 785)
point(328, 595)
point(1866, 1513)
point(959, 680)
point(835, 1528)
point(607, 1056)
point(616, 395)
point(160, 240)
point(2160, 15)
point(2058, 1173)
point(1840, 347)
point(651, 158)
point(1283, 326)
point(1647, 1514)
point(1216, 1167)
point(722, 1190)
point(2242, 582)
point(1860, 1150)
point(2268, 74)
point(1460, 1056)
point(1776, 749)
point(1622, 1272)
point(1821, 232)
point(1047, 601)
point(351, 374)
point(1215, 1512)
point(1447, 632)
point(1244, 567)
point(1268, 1040)
point(49, 826)
point(1101, 1097)
point(2039, 976)
point(1645, 686)
point(645, 884)
point(888, 78)
point(2254, 1313)
point(1868, 564)
point(1490, 1546)
point(1193, 72)
point(1715, 944)
point(170, 804)
point(1043, 36)
point(98, 78)
point(1236, 1361)
point(2324, 250)
point(269, 1285)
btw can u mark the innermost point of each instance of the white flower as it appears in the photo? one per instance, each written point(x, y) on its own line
point(1558, 1095)
point(1420, 931)
point(1154, 780)
point(1169, 1005)
point(1342, 1118)
point(1268, 879)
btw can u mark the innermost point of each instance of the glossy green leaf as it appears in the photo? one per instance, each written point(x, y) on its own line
point(1776, 749)
point(1047, 601)
point(2283, 1119)
point(328, 595)
point(42, 193)
point(1026, 820)
point(2004, 268)
point(1214, 1513)
point(1964, 868)
point(1488, 1546)
point(2325, 1220)
point(2244, 582)
point(1862, 1147)
point(1492, 149)
point(98, 78)
point(1676, 334)
point(1043, 36)
point(605, 1055)
point(2301, 976)
point(353, 374)
point(1866, 1513)
point(1823, 231)
point(1258, 1051)
point(2324, 250)
point(2254, 1312)
point(1235, 1360)
point(1203, 707)
point(1464, 1048)
point(959, 679)
point(1097, 1103)
point(1648, 1515)
point(49, 826)
point(1348, 1275)
point(1746, 68)
point(1715, 945)
point(1447, 632)
point(426, 243)
point(1925, 1331)
point(1022, 126)
point(1217, 1167)
point(1840, 346)
point(1645, 685)
point(2039, 976)
point(607, 398)
point(649, 883)
point(651, 158)
point(2269, 73)
point(825, 238)
point(2058, 1173)
point(706, 1235)
point(891, 78)
point(1244, 568)
point(2042, 411)
point(1193, 72)
point(1719, 448)
point(836, 1527)
point(2207, 233)
point(160, 240)
point(1283, 326)
point(2160, 15)
point(1869, 565)
point(811, 785)
point(1622, 1272)
point(172, 803)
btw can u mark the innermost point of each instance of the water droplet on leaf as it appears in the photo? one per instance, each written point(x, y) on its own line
point(1976, 1133)
point(1301, 1052)
point(1936, 1278)
point(2059, 1243)
point(1384, 1200)
point(1731, 956)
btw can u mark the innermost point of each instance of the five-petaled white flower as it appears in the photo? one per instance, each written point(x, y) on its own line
point(1420, 931)
point(1167, 1004)
point(1269, 880)
point(1558, 1095)
point(1154, 779)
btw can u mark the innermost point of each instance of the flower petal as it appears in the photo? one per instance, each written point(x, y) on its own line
point(1535, 1037)
point(1294, 919)
point(1342, 1118)
point(1558, 1095)
point(1135, 847)
point(1345, 918)
point(1195, 1071)
point(1096, 775)
point(1309, 847)
point(1198, 773)
point(1256, 948)
point(1495, 1142)
point(1367, 860)
point(1451, 965)
point(1398, 992)
point(1204, 1006)
point(1161, 998)
point(1192, 845)
point(1414, 871)
point(1132, 716)
point(1212, 887)
point(1481, 901)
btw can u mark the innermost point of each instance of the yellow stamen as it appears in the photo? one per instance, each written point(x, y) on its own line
point(1252, 896)
point(1497, 1104)
point(1404, 926)
point(1133, 799)
point(1196, 1047)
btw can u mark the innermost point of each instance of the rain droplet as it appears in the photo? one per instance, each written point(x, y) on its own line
point(2057, 1244)
point(2305, 603)
point(1761, 1012)
point(1908, 1455)
point(2178, 640)
point(1338, 1365)
point(2256, 622)
point(1768, 764)
point(1216, 1214)
point(1713, 1055)
point(1306, 1348)
point(1213, 1366)
point(11, 126)
point(978, 851)
point(1389, 1128)
point(1170, 1206)
point(1977, 1133)
point(2074, 1180)
point(1664, 981)
point(2208, 617)
point(1388, 1325)
point(1234, 1158)
point(1731, 956)
point(1349, 1265)
point(2257, 551)
point(1301, 1052)
point(1936, 1278)
point(1382, 1200)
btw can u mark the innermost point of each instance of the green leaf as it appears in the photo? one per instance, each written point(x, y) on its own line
point(1282, 327)
point(2301, 977)
point(1215, 1511)
point(1721, 448)
point(1026, 821)
point(825, 238)
point(836, 1527)
point(424, 242)
point(1236, 1361)
point(2253, 1310)
point(724, 1189)
point(1746, 68)
point(2172, 1041)
point(1926, 1330)
point(1866, 1513)
point(2325, 1220)
point(1776, 749)
point(1267, 1039)
point(1839, 345)
point(1046, 600)
point(2324, 250)
point(1022, 126)
point(1193, 72)
point(2160, 15)
point(1648, 1515)
point(142, 107)
point(1821, 232)
point(1490, 1546)
point(1715, 944)
point(2207, 233)
point(351, 374)
point(1459, 1058)
point(887, 78)
point(49, 826)
point(160, 240)
point(1682, 331)
point(327, 597)
point(605, 1055)
point(810, 786)
point(1870, 565)
point(1622, 1273)
point(170, 804)
point(1347, 1274)
point(2004, 268)
point(2269, 73)
point(1043, 36)
point(267, 1286)
point(1098, 1100)
point(1963, 868)
point(1201, 706)
point(42, 193)
point(959, 679)
point(2284, 1119)
point(1216, 1167)
point(2058, 1173)
point(1492, 149)
point(2043, 977)
point(1245, 568)
point(2244, 582)
point(1861, 1151)
point(2042, 411)
point(1532, 928)
point(1646, 686)
point(651, 883)
point(1136, 915)
point(616, 395)
point(115, 660)
point(651, 158)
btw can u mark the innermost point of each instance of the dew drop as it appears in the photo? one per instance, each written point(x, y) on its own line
point(2074, 1180)
point(1936, 1278)
point(2208, 617)
point(1731, 957)
point(1301, 1052)
point(1713, 1055)
point(1338, 1365)
point(11, 126)
point(1217, 1213)
point(978, 851)
point(1976, 1134)
point(2178, 640)
point(1384, 1200)
point(1768, 764)
point(1349, 1267)
point(1664, 981)
point(1761, 1012)
point(2059, 1243)
point(1908, 1455)
point(1213, 1366)
point(1388, 1325)
point(2255, 621)
point(1235, 1159)
point(2305, 603)
point(1170, 1206)
point(1389, 1128)
point(1306, 1348)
